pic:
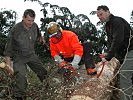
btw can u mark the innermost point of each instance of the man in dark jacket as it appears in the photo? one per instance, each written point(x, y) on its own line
point(118, 37)
point(20, 47)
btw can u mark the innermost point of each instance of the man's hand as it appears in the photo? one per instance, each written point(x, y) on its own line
point(102, 56)
point(41, 39)
point(104, 60)
point(9, 70)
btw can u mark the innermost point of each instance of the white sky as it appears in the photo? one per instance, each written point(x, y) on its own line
point(120, 8)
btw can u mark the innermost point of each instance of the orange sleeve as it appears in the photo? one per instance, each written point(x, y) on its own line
point(76, 45)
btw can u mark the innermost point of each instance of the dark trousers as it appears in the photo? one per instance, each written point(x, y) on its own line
point(87, 57)
point(20, 67)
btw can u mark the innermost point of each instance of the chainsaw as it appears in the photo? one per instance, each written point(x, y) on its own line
point(66, 70)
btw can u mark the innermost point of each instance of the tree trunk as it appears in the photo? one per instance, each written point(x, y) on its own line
point(98, 88)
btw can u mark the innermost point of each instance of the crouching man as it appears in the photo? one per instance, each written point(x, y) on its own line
point(65, 47)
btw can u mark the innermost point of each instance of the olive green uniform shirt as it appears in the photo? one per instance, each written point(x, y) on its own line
point(21, 41)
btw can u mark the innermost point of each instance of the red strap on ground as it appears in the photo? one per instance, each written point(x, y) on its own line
point(103, 64)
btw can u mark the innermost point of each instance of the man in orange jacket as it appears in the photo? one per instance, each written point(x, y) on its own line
point(65, 46)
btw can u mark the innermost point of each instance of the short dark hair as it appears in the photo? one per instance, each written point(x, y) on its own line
point(105, 8)
point(29, 12)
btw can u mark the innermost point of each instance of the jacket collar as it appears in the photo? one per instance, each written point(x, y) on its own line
point(111, 17)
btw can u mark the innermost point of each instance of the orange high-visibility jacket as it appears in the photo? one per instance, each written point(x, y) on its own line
point(68, 46)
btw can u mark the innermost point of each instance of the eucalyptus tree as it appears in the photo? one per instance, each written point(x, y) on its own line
point(101, 36)
point(66, 19)
point(7, 20)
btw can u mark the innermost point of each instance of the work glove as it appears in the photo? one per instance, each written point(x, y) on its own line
point(58, 59)
point(76, 61)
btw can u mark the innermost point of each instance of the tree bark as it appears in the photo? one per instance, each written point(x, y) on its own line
point(98, 88)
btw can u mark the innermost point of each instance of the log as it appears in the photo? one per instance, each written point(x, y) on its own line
point(2, 62)
point(2, 65)
point(7, 68)
point(98, 88)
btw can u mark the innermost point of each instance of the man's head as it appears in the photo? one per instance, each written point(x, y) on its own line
point(28, 18)
point(103, 13)
point(54, 30)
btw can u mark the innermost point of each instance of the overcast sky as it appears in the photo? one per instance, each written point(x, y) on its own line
point(120, 8)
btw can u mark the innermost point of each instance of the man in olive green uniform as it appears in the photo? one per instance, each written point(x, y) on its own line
point(20, 47)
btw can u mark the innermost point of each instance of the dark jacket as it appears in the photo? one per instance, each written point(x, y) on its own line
point(21, 41)
point(118, 34)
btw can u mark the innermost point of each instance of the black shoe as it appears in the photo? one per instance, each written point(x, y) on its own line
point(91, 71)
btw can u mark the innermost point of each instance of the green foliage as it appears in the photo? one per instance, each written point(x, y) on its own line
point(7, 20)
point(43, 52)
